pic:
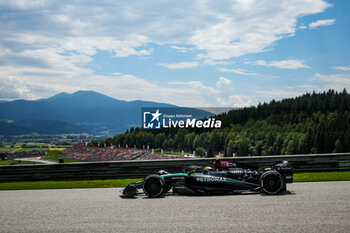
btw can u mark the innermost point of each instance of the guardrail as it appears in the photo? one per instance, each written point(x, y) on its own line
point(136, 169)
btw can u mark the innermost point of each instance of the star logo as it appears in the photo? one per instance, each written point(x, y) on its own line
point(156, 115)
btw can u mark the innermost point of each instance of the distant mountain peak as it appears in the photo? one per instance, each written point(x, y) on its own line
point(58, 96)
point(87, 109)
point(81, 95)
point(86, 92)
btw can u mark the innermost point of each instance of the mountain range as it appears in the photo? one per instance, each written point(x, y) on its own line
point(82, 111)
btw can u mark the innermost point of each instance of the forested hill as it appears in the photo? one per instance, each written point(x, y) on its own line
point(311, 123)
point(291, 110)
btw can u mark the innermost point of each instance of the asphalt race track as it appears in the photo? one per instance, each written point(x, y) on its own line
point(308, 207)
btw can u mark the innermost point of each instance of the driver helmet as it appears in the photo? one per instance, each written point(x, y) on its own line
point(162, 172)
point(206, 169)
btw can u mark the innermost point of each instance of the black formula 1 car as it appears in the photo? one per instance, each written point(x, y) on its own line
point(224, 178)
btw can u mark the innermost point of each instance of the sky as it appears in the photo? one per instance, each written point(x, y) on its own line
point(228, 53)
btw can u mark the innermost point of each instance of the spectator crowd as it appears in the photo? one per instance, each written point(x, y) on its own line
point(85, 153)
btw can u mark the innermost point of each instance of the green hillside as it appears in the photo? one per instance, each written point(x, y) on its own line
point(8, 127)
point(311, 123)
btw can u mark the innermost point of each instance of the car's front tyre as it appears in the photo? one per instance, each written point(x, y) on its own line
point(153, 186)
point(271, 182)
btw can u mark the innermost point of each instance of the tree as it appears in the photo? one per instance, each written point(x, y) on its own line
point(214, 141)
point(210, 151)
point(171, 144)
point(189, 138)
point(231, 148)
point(201, 140)
point(258, 148)
point(292, 146)
point(338, 147)
point(159, 140)
point(168, 143)
point(243, 146)
point(179, 138)
point(200, 151)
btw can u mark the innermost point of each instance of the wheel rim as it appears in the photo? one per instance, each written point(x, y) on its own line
point(272, 183)
point(153, 186)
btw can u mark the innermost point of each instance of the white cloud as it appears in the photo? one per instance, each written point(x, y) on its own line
point(344, 68)
point(237, 71)
point(13, 88)
point(320, 82)
point(117, 73)
point(59, 73)
point(275, 93)
point(23, 4)
point(253, 28)
point(223, 83)
point(283, 64)
point(219, 96)
point(308, 87)
point(220, 30)
point(322, 22)
point(181, 48)
point(180, 65)
point(333, 81)
point(237, 101)
point(211, 62)
point(48, 45)
point(197, 85)
point(225, 88)
point(121, 86)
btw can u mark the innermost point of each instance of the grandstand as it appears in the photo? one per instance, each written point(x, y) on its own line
point(84, 153)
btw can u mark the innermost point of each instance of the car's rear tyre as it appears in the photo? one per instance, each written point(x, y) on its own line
point(271, 182)
point(153, 186)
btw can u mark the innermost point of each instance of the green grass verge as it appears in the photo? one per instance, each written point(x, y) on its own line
point(66, 184)
point(55, 155)
point(321, 176)
point(20, 149)
point(298, 177)
point(8, 149)
point(30, 149)
point(14, 162)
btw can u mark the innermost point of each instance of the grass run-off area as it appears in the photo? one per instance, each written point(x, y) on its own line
point(298, 177)
point(66, 184)
point(27, 147)
point(55, 155)
point(15, 162)
point(321, 176)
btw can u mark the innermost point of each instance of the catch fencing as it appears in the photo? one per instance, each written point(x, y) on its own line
point(137, 169)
